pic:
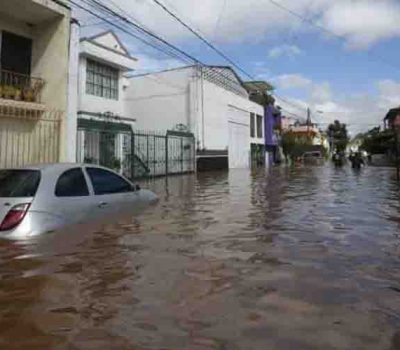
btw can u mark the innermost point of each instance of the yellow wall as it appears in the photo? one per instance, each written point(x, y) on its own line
point(50, 61)
point(17, 27)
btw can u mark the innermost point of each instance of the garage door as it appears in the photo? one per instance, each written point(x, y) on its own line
point(239, 145)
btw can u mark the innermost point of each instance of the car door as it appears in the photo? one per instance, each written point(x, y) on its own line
point(72, 199)
point(112, 192)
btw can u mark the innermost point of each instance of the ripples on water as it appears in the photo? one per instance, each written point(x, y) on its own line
point(302, 258)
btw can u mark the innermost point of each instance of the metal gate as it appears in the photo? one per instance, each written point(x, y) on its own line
point(181, 152)
point(28, 136)
point(165, 153)
point(133, 153)
point(105, 143)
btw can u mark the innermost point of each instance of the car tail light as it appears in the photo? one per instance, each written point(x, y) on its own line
point(14, 216)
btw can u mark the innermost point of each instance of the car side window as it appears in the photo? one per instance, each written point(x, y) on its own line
point(106, 182)
point(72, 183)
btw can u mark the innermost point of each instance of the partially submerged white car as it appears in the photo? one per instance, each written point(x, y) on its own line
point(43, 198)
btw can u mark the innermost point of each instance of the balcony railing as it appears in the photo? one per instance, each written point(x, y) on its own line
point(20, 87)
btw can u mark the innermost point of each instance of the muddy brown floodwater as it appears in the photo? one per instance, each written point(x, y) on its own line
point(292, 259)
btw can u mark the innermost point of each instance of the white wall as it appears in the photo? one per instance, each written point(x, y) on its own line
point(109, 41)
point(110, 57)
point(96, 104)
point(219, 107)
point(160, 101)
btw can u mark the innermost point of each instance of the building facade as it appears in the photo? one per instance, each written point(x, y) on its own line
point(35, 39)
point(209, 102)
point(103, 126)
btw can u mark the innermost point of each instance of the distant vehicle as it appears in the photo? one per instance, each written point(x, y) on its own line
point(313, 158)
point(38, 199)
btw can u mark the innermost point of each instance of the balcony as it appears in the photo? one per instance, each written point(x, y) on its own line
point(34, 12)
point(20, 92)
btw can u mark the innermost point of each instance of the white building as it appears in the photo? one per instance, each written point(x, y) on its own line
point(102, 120)
point(34, 53)
point(209, 101)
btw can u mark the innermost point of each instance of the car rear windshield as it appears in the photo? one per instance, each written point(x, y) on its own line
point(19, 183)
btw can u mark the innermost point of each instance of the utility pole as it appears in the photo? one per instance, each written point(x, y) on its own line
point(308, 119)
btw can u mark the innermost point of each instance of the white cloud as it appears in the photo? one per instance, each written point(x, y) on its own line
point(389, 91)
point(291, 81)
point(360, 112)
point(361, 22)
point(147, 63)
point(321, 92)
point(284, 50)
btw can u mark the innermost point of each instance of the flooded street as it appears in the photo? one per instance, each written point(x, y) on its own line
point(287, 259)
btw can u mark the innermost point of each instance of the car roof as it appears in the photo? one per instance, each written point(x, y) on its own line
point(52, 167)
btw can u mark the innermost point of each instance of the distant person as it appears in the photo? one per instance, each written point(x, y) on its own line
point(357, 161)
point(337, 160)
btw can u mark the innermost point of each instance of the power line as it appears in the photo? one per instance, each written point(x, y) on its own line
point(129, 15)
point(292, 114)
point(118, 26)
point(213, 47)
point(100, 5)
point(154, 35)
point(107, 10)
point(149, 97)
point(325, 30)
point(203, 39)
point(351, 112)
point(217, 50)
point(148, 32)
point(287, 101)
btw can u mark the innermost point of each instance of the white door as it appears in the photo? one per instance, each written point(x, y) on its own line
point(239, 145)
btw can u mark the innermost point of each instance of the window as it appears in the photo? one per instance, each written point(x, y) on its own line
point(19, 183)
point(252, 126)
point(101, 80)
point(259, 126)
point(72, 183)
point(106, 182)
point(16, 53)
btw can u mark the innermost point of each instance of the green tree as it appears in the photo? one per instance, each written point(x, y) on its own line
point(338, 136)
point(376, 141)
point(295, 144)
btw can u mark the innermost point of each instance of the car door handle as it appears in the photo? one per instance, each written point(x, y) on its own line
point(102, 204)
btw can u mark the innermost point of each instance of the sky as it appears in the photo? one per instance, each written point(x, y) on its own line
point(340, 58)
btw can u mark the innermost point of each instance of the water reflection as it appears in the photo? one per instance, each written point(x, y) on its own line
point(304, 258)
